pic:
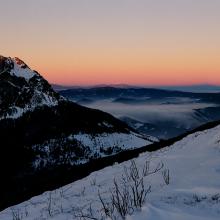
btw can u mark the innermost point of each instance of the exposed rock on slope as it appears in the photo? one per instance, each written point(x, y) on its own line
point(22, 89)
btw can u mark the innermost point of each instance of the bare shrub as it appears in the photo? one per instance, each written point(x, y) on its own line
point(134, 179)
point(93, 182)
point(82, 215)
point(49, 204)
point(121, 199)
point(61, 193)
point(107, 207)
point(166, 176)
point(216, 197)
point(16, 214)
point(146, 169)
point(127, 194)
point(83, 190)
point(130, 193)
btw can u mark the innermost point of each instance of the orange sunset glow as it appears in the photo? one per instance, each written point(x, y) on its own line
point(112, 42)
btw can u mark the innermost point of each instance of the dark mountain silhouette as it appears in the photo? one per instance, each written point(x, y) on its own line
point(43, 136)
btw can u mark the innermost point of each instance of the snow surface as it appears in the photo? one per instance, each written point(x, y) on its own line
point(98, 146)
point(192, 194)
point(18, 71)
point(124, 141)
point(37, 100)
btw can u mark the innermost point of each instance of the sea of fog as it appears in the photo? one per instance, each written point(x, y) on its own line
point(182, 113)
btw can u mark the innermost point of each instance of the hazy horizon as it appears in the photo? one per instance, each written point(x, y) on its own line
point(141, 85)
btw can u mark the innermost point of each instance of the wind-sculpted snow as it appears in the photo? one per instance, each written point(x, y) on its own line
point(192, 191)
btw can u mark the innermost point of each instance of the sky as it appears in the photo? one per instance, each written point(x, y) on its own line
point(87, 42)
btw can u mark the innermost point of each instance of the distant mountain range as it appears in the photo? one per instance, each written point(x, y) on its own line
point(200, 88)
point(135, 93)
point(158, 112)
point(203, 88)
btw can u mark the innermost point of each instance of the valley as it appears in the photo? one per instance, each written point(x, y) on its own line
point(161, 113)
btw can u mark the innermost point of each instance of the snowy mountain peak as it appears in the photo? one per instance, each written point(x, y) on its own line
point(16, 67)
point(22, 89)
point(20, 62)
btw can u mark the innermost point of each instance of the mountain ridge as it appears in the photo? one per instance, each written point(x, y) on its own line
point(22, 89)
point(41, 133)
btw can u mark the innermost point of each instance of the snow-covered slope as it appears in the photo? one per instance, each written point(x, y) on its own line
point(19, 69)
point(22, 89)
point(91, 147)
point(192, 193)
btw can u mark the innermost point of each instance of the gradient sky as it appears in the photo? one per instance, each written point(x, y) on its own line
point(147, 42)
